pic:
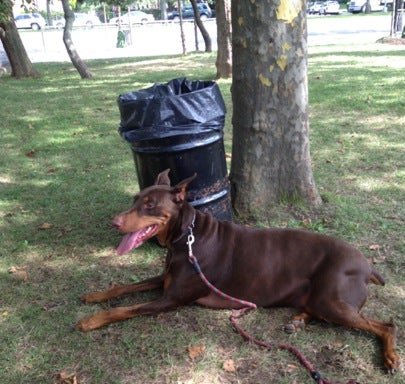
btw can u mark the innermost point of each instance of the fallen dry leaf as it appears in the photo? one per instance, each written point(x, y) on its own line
point(19, 273)
point(379, 260)
point(45, 226)
point(290, 368)
point(195, 351)
point(229, 366)
point(374, 247)
point(66, 377)
point(30, 153)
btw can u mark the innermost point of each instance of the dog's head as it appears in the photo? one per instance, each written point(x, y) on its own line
point(153, 209)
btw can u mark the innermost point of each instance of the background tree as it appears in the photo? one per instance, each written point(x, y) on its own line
point(163, 9)
point(77, 62)
point(20, 63)
point(201, 27)
point(182, 35)
point(224, 38)
point(396, 17)
point(367, 7)
point(49, 19)
point(270, 154)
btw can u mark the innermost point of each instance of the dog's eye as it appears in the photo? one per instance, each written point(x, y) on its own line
point(149, 205)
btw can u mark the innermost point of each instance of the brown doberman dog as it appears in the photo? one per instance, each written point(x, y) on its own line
point(325, 278)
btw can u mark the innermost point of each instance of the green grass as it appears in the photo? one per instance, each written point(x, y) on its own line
point(64, 165)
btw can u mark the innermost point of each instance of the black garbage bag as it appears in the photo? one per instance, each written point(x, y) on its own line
point(179, 107)
point(179, 125)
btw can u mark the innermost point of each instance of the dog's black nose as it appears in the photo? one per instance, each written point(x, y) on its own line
point(117, 222)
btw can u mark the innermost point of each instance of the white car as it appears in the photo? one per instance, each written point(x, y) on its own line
point(314, 8)
point(33, 21)
point(81, 20)
point(135, 17)
point(330, 7)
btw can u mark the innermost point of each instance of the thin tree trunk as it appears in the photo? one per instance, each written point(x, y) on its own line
point(224, 39)
point(48, 13)
point(77, 62)
point(183, 38)
point(367, 7)
point(20, 63)
point(200, 25)
point(270, 155)
point(163, 11)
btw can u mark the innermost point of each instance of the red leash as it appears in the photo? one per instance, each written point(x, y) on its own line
point(248, 306)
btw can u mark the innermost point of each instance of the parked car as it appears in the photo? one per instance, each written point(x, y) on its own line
point(30, 20)
point(330, 8)
point(389, 4)
point(135, 17)
point(81, 20)
point(357, 6)
point(314, 7)
point(187, 12)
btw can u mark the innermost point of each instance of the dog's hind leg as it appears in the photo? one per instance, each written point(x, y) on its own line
point(121, 290)
point(339, 312)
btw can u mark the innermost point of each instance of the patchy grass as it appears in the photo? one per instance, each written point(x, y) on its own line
point(64, 171)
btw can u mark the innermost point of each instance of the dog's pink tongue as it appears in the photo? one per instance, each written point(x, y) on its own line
point(129, 242)
point(135, 239)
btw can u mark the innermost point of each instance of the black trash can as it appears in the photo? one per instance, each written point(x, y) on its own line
point(179, 125)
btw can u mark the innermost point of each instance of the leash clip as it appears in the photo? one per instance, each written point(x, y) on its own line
point(190, 242)
point(191, 239)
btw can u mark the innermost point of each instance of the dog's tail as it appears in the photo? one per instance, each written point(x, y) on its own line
point(376, 278)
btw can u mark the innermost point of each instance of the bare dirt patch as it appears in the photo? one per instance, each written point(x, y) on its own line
point(392, 40)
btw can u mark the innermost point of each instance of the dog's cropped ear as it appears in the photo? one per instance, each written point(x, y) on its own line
point(163, 178)
point(179, 190)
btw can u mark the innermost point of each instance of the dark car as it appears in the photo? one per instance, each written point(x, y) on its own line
point(187, 12)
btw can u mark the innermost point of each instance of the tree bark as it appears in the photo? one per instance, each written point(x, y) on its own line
point(200, 25)
point(270, 154)
point(224, 39)
point(163, 10)
point(183, 38)
point(77, 62)
point(20, 63)
point(48, 13)
point(367, 7)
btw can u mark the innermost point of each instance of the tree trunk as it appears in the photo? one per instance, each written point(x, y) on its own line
point(77, 62)
point(200, 25)
point(270, 154)
point(183, 38)
point(397, 16)
point(48, 13)
point(367, 7)
point(224, 39)
point(163, 10)
point(20, 63)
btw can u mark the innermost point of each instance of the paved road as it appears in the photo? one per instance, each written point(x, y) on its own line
point(164, 38)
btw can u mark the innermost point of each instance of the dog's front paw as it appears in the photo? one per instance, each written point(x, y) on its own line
point(95, 297)
point(90, 323)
